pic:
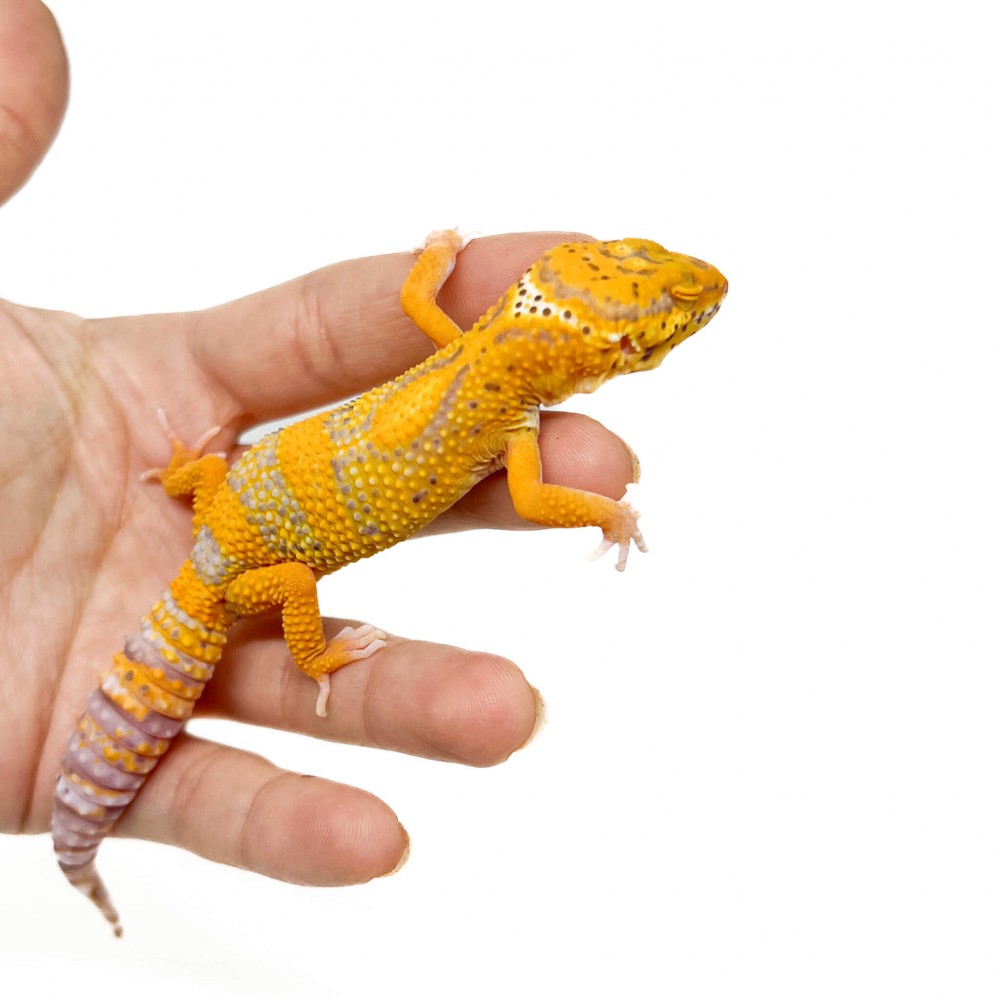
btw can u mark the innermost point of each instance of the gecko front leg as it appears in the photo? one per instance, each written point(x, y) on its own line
point(565, 507)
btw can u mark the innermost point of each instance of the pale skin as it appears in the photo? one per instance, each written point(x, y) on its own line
point(86, 545)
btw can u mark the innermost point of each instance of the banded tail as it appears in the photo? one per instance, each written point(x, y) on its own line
point(142, 703)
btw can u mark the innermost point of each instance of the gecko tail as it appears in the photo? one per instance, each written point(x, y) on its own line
point(128, 724)
point(109, 757)
point(85, 878)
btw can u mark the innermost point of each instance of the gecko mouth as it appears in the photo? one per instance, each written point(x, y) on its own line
point(637, 352)
point(635, 355)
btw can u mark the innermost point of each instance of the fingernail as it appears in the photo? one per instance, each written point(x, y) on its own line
point(636, 468)
point(404, 857)
point(539, 717)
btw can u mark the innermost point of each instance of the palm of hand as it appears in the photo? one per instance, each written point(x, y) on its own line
point(77, 542)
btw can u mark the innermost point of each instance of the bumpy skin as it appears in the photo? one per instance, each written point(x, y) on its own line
point(345, 484)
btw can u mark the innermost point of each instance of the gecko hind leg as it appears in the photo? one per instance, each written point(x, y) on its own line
point(292, 587)
point(190, 473)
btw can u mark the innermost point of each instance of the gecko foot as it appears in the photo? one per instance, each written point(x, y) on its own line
point(450, 238)
point(622, 533)
point(182, 455)
point(348, 646)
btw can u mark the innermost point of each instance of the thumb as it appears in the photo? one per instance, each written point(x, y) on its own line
point(33, 89)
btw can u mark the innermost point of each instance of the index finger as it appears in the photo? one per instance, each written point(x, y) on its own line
point(339, 330)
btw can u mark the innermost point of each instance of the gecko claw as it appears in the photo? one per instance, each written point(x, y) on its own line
point(180, 452)
point(323, 696)
point(622, 535)
point(173, 437)
point(349, 645)
point(623, 549)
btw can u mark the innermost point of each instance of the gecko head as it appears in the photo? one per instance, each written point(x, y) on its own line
point(624, 304)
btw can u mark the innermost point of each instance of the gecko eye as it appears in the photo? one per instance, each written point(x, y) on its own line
point(686, 293)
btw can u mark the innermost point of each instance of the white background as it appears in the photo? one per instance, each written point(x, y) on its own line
point(772, 761)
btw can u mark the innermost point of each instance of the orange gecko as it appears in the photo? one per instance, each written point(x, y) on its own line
point(345, 484)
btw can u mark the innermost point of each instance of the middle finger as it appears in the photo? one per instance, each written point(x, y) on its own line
point(419, 698)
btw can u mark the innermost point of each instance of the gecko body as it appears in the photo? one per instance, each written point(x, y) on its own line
point(342, 485)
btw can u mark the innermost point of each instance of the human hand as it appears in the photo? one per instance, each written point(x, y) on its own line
point(86, 547)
